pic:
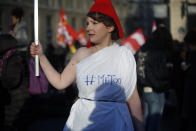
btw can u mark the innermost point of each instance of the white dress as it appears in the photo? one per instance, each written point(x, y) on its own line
point(105, 81)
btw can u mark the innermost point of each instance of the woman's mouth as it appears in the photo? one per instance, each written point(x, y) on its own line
point(91, 35)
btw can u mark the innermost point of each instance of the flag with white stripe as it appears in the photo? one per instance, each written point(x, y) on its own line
point(135, 40)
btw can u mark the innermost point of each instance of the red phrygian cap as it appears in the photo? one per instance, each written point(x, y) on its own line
point(105, 7)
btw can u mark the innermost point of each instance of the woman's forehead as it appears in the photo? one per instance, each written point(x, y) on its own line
point(90, 19)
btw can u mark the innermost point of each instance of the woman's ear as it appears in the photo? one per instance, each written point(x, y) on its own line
point(110, 29)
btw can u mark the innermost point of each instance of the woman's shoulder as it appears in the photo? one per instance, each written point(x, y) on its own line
point(126, 53)
point(81, 53)
point(125, 50)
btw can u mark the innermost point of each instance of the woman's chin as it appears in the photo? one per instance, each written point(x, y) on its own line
point(93, 42)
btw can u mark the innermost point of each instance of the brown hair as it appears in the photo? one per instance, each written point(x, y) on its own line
point(107, 21)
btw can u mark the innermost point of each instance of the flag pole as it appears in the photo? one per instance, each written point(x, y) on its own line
point(36, 36)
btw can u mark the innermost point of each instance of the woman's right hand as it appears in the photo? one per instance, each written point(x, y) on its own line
point(36, 49)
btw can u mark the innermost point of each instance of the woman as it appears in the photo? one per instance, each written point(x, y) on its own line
point(105, 75)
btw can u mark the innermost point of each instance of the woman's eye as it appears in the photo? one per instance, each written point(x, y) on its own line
point(95, 22)
point(92, 22)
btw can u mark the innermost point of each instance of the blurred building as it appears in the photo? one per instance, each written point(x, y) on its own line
point(182, 17)
point(133, 14)
point(49, 15)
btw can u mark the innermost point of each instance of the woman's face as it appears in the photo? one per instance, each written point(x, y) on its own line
point(97, 31)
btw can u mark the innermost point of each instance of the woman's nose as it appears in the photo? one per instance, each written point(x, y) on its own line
point(88, 27)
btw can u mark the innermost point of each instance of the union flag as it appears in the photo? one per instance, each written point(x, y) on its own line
point(66, 35)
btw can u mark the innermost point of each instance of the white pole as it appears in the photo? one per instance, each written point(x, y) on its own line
point(36, 35)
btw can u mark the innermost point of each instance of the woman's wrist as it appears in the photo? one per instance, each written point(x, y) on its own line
point(41, 56)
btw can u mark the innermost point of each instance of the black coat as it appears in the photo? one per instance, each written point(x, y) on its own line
point(152, 69)
point(189, 104)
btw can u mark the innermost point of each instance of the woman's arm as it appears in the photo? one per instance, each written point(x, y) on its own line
point(135, 108)
point(58, 80)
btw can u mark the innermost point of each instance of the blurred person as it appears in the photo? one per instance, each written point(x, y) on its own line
point(18, 29)
point(189, 66)
point(13, 78)
point(177, 79)
point(105, 75)
point(153, 72)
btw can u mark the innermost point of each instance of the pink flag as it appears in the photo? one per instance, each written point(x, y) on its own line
point(135, 40)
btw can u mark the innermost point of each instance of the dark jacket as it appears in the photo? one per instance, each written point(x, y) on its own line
point(13, 67)
point(189, 105)
point(14, 78)
point(152, 69)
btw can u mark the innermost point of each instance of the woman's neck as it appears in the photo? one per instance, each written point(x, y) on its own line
point(102, 45)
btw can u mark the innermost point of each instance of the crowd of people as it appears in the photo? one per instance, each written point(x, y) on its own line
point(102, 87)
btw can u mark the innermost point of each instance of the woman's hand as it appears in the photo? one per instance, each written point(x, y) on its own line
point(36, 49)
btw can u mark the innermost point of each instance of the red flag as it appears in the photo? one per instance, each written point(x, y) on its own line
point(66, 35)
point(135, 40)
point(61, 39)
point(82, 37)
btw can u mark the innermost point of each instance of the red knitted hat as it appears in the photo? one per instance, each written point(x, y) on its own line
point(105, 7)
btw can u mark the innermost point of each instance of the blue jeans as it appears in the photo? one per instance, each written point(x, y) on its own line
point(153, 109)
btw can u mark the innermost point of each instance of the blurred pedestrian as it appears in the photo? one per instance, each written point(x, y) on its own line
point(18, 29)
point(153, 71)
point(189, 106)
point(13, 78)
